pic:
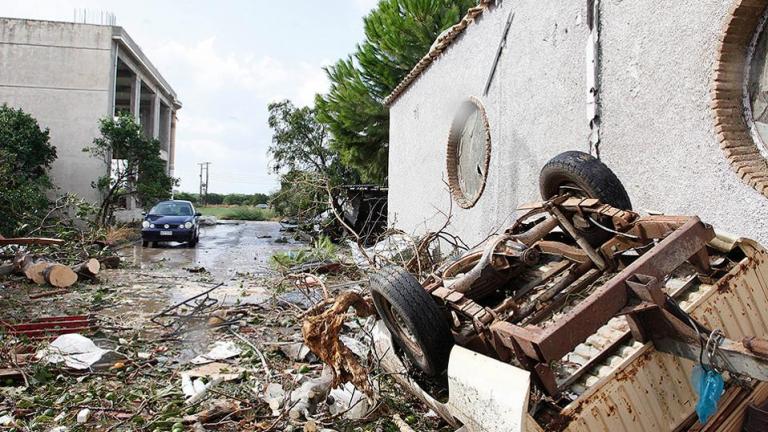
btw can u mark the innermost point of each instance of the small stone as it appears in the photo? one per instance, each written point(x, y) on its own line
point(310, 426)
point(82, 416)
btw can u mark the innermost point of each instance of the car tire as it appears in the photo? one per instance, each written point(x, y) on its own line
point(192, 243)
point(587, 173)
point(416, 322)
point(582, 174)
point(144, 243)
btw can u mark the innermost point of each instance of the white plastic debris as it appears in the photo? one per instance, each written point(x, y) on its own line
point(221, 350)
point(395, 246)
point(59, 429)
point(82, 416)
point(77, 352)
point(304, 400)
point(348, 400)
point(196, 389)
point(6, 420)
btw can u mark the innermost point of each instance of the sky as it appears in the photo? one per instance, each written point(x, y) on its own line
point(227, 60)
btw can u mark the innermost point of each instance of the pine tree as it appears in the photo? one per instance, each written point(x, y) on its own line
point(398, 34)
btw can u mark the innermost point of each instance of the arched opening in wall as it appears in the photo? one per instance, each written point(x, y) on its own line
point(740, 92)
point(469, 153)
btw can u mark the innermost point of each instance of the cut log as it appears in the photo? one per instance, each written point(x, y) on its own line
point(34, 271)
point(90, 268)
point(110, 262)
point(59, 275)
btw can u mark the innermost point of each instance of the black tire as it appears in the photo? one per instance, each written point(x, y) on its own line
point(192, 243)
point(416, 322)
point(144, 243)
point(585, 172)
point(582, 174)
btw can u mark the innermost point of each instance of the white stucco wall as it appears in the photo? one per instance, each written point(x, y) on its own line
point(657, 129)
point(61, 73)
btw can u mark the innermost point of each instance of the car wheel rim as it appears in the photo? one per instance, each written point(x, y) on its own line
point(404, 334)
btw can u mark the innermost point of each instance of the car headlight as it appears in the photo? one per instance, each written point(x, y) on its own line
point(145, 224)
point(151, 225)
point(188, 225)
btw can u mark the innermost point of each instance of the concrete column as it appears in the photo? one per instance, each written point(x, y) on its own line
point(155, 116)
point(136, 99)
point(172, 144)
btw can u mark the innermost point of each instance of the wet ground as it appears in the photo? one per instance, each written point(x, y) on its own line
point(224, 250)
point(235, 254)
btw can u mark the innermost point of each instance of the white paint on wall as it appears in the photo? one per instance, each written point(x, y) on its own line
point(657, 131)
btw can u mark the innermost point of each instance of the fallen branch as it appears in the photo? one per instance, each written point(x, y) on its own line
point(401, 424)
point(48, 294)
point(30, 241)
point(258, 351)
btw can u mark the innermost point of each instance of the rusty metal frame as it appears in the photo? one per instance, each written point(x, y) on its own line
point(553, 342)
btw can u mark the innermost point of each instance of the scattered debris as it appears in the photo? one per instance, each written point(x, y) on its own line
point(78, 352)
point(207, 220)
point(44, 328)
point(197, 269)
point(221, 350)
point(226, 372)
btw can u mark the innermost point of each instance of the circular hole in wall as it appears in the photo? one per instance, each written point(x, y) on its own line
point(469, 153)
point(757, 88)
point(740, 92)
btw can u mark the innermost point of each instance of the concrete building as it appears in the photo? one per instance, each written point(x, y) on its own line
point(670, 95)
point(71, 75)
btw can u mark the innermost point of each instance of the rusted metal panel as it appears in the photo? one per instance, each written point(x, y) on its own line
point(639, 388)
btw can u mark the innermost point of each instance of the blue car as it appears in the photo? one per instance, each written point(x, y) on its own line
point(173, 220)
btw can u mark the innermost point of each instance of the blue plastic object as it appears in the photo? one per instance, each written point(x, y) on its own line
point(709, 386)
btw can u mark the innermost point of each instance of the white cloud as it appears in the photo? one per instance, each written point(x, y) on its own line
point(267, 78)
point(365, 6)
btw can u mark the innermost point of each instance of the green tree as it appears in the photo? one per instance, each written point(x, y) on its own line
point(309, 167)
point(214, 198)
point(235, 199)
point(136, 167)
point(186, 196)
point(26, 156)
point(258, 198)
point(398, 33)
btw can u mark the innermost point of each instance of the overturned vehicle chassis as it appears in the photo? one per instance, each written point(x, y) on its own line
point(591, 315)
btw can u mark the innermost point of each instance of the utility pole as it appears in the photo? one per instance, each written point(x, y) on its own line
point(203, 184)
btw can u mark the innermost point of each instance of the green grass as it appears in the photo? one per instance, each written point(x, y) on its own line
point(238, 213)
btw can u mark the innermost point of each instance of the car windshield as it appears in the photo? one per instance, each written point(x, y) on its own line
point(172, 209)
